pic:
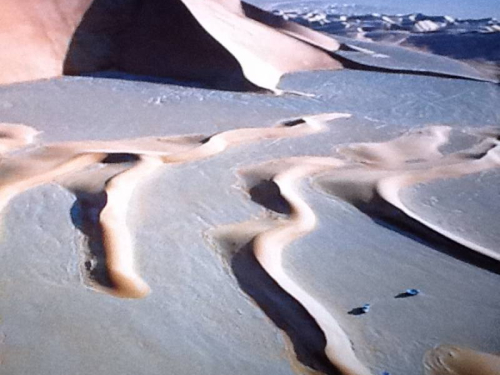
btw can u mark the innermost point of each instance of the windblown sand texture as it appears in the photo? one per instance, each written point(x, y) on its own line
point(368, 176)
point(448, 359)
point(151, 228)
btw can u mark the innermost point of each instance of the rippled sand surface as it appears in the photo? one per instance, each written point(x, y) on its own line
point(342, 221)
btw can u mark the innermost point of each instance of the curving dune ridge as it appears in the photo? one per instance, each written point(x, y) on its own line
point(46, 164)
point(385, 169)
point(371, 180)
point(269, 245)
point(266, 275)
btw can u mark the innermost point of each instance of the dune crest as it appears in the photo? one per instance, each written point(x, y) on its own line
point(46, 39)
point(453, 360)
point(255, 45)
point(268, 247)
point(370, 178)
point(222, 44)
point(141, 158)
point(382, 170)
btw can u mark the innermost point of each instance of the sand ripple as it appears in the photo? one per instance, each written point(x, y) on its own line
point(369, 176)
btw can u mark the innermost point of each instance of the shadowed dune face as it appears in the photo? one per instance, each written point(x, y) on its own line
point(150, 38)
point(254, 44)
point(48, 38)
point(103, 176)
point(220, 44)
point(381, 171)
point(370, 178)
point(211, 42)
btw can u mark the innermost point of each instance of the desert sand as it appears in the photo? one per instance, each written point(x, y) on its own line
point(325, 207)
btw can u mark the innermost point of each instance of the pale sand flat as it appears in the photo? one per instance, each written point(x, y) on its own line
point(176, 263)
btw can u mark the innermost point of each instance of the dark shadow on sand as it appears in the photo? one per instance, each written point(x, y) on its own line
point(357, 311)
point(85, 216)
point(392, 218)
point(403, 295)
point(267, 193)
point(152, 41)
point(286, 312)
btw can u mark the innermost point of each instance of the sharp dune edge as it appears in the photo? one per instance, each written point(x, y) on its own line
point(229, 44)
point(268, 248)
point(214, 31)
point(357, 184)
point(263, 64)
point(225, 44)
point(385, 169)
point(45, 164)
point(369, 176)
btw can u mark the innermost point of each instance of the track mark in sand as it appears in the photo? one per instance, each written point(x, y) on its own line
point(379, 171)
point(105, 175)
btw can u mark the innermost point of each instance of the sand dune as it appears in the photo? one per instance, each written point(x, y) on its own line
point(452, 360)
point(268, 247)
point(465, 39)
point(255, 47)
point(123, 242)
point(47, 163)
point(117, 241)
point(291, 28)
point(35, 35)
point(13, 137)
point(384, 169)
point(40, 165)
point(370, 179)
point(222, 44)
point(207, 41)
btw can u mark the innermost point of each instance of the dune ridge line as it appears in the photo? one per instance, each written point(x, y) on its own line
point(222, 44)
point(370, 179)
point(269, 246)
point(46, 164)
point(383, 170)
